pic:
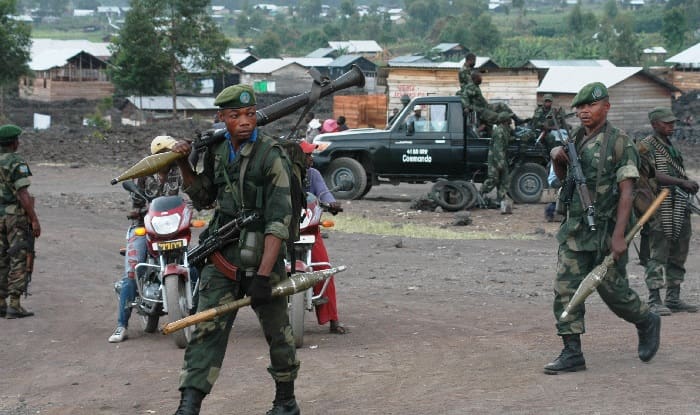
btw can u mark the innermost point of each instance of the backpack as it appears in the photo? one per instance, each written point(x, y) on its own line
point(295, 159)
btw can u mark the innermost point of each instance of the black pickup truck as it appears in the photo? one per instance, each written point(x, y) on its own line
point(443, 145)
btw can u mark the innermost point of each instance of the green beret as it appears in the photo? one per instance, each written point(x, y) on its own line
point(236, 96)
point(9, 132)
point(547, 97)
point(662, 114)
point(592, 92)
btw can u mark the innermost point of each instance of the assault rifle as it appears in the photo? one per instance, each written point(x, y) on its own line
point(30, 257)
point(577, 179)
point(219, 238)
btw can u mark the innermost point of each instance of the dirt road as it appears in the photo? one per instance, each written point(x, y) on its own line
point(437, 326)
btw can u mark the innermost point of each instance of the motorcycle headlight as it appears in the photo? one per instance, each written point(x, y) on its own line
point(165, 225)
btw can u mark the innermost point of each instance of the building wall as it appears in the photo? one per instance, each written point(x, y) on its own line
point(290, 80)
point(632, 99)
point(47, 90)
point(685, 80)
point(630, 102)
point(515, 87)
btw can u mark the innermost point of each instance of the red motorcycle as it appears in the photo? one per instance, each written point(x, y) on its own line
point(304, 301)
point(163, 281)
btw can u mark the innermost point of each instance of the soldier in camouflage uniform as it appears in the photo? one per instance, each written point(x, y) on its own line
point(16, 215)
point(667, 253)
point(497, 160)
point(259, 256)
point(473, 100)
point(543, 120)
point(465, 73)
point(580, 248)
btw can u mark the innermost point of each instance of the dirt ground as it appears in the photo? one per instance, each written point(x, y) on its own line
point(437, 326)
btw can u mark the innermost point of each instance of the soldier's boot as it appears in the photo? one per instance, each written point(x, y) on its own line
point(190, 401)
point(649, 332)
point(674, 302)
point(3, 307)
point(285, 403)
point(15, 310)
point(570, 359)
point(656, 305)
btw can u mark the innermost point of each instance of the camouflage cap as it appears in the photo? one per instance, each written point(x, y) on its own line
point(9, 132)
point(595, 91)
point(236, 96)
point(547, 97)
point(662, 114)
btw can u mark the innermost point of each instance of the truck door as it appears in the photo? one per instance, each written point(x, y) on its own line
point(421, 145)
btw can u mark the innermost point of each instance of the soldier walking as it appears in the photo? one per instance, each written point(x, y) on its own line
point(498, 175)
point(669, 230)
point(17, 220)
point(609, 163)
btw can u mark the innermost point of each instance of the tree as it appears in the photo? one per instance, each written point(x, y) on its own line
point(484, 33)
point(15, 48)
point(625, 50)
point(268, 45)
point(610, 9)
point(140, 64)
point(675, 28)
point(347, 8)
point(186, 34)
point(310, 10)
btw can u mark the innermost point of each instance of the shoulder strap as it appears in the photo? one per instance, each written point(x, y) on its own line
point(604, 152)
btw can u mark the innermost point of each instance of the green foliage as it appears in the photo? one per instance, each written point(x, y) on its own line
point(140, 63)
point(610, 10)
point(268, 45)
point(165, 42)
point(15, 45)
point(516, 52)
point(624, 48)
point(675, 28)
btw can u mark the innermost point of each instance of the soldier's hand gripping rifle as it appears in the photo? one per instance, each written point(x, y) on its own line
point(219, 238)
point(595, 277)
point(576, 179)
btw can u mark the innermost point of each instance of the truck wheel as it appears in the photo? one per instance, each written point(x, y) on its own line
point(527, 183)
point(345, 169)
point(450, 195)
point(472, 193)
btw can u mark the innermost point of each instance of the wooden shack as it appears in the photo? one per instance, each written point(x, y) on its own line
point(633, 92)
point(515, 87)
point(361, 111)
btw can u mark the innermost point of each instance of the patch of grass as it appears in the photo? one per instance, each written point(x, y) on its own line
point(354, 224)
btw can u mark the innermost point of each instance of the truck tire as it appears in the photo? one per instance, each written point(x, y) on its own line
point(347, 169)
point(449, 195)
point(472, 193)
point(527, 183)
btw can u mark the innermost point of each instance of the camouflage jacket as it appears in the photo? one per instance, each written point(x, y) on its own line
point(14, 175)
point(647, 155)
point(465, 78)
point(621, 161)
point(499, 144)
point(266, 190)
point(473, 99)
point(542, 118)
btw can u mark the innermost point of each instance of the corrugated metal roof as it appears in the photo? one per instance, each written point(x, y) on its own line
point(408, 59)
point(356, 46)
point(690, 56)
point(344, 60)
point(655, 49)
point(268, 65)
point(320, 53)
point(49, 53)
point(165, 103)
point(424, 63)
point(309, 62)
point(444, 47)
point(546, 63)
point(570, 79)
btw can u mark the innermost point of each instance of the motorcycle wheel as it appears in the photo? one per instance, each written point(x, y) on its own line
point(296, 317)
point(149, 322)
point(177, 308)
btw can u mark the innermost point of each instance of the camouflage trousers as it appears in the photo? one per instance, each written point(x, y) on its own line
point(572, 268)
point(497, 178)
point(667, 257)
point(205, 352)
point(13, 254)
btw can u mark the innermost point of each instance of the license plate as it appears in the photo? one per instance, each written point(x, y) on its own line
point(170, 245)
